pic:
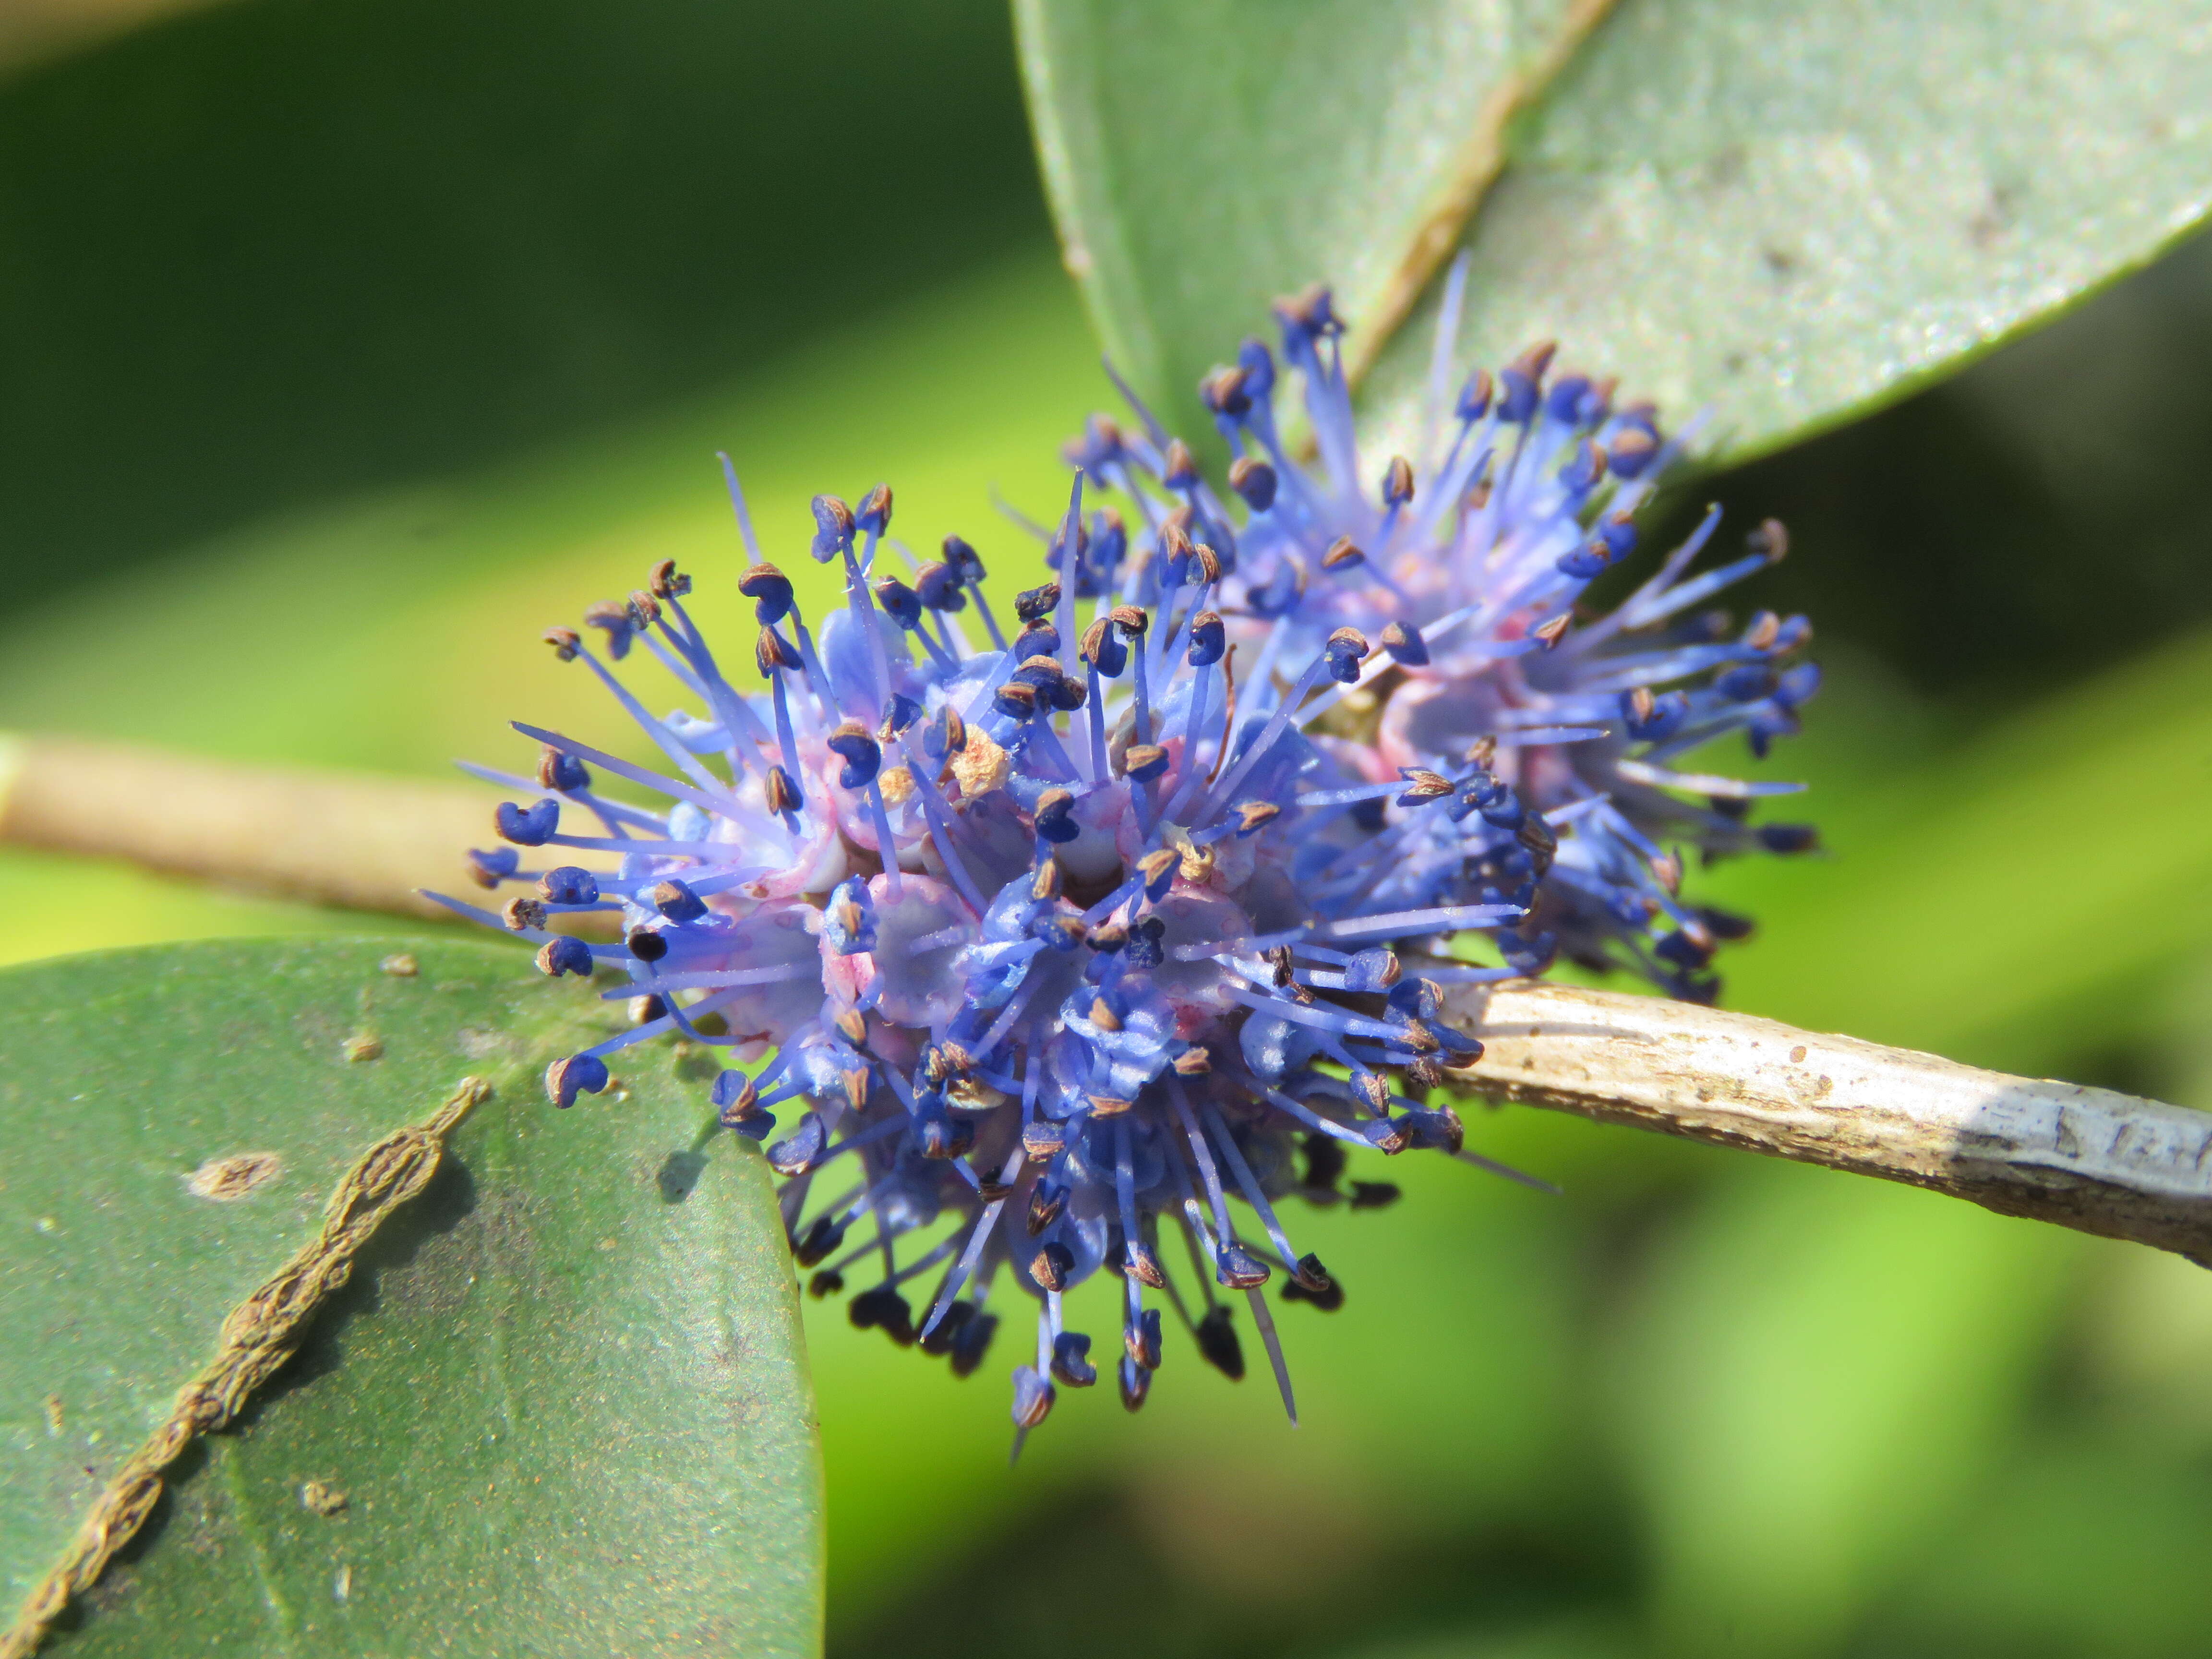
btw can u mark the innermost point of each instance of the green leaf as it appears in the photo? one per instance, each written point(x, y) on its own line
point(559, 1406)
point(1790, 210)
point(2012, 927)
point(1783, 209)
point(1206, 158)
point(1819, 1372)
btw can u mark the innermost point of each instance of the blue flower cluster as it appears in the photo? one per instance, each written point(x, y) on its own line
point(1050, 935)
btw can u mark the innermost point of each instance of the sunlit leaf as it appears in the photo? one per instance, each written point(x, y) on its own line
point(1782, 209)
point(1786, 210)
point(1203, 159)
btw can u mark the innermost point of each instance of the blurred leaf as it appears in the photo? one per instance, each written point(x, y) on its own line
point(1789, 209)
point(32, 30)
point(1204, 158)
point(2006, 903)
point(562, 1395)
point(2090, 1548)
point(272, 254)
point(1821, 1369)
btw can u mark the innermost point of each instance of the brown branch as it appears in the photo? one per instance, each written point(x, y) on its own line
point(363, 842)
point(2082, 1158)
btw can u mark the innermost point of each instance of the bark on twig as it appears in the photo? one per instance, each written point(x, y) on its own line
point(363, 842)
point(2083, 1158)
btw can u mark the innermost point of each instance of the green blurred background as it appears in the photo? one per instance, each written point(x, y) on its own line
point(346, 343)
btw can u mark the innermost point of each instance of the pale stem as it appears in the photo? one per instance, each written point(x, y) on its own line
point(2082, 1158)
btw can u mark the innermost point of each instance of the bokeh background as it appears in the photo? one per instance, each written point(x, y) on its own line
point(346, 343)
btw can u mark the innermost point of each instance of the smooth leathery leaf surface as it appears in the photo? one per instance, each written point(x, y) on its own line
point(1204, 158)
point(1784, 209)
point(1788, 210)
point(559, 1407)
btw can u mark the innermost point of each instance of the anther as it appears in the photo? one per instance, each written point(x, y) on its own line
point(1474, 396)
point(578, 1073)
point(875, 510)
point(783, 794)
point(676, 901)
point(1254, 480)
point(1051, 1266)
point(1223, 392)
point(772, 652)
point(1141, 1265)
point(1341, 554)
point(1255, 815)
point(527, 826)
point(1374, 1195)
point(1044, 885)
point(1035, 603)
point(668, 582)
point(901, 712)
point(1103, 1015)
point(1397, 482)
point(1311, 1283)
point(937, 585)
point(769, 589)
point(1194, 1062)
point(1209, 638)
point(488, 869)
point(562, 772)
point(1404, 644)
point(1070, 1359)
point(1178, 470)
point(1130, 619)
point(614, 619)
point(1550, 632)
point(965, 560)
point(1345, 650)
point(1175, 549)
point(1144, 760)
point(565, 641)
point(1159, 867)
point(860, 751)
point(1771, 541)
point(564, 955)
point(1108, 1105)
point(646, 945)
point(900, 602)
point(1043, 1141)
point(833, 529)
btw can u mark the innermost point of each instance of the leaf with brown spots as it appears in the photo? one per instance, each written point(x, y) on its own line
point(522, 1395)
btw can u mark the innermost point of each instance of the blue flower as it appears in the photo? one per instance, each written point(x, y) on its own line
point(1050, 931)
point(1551, 744)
